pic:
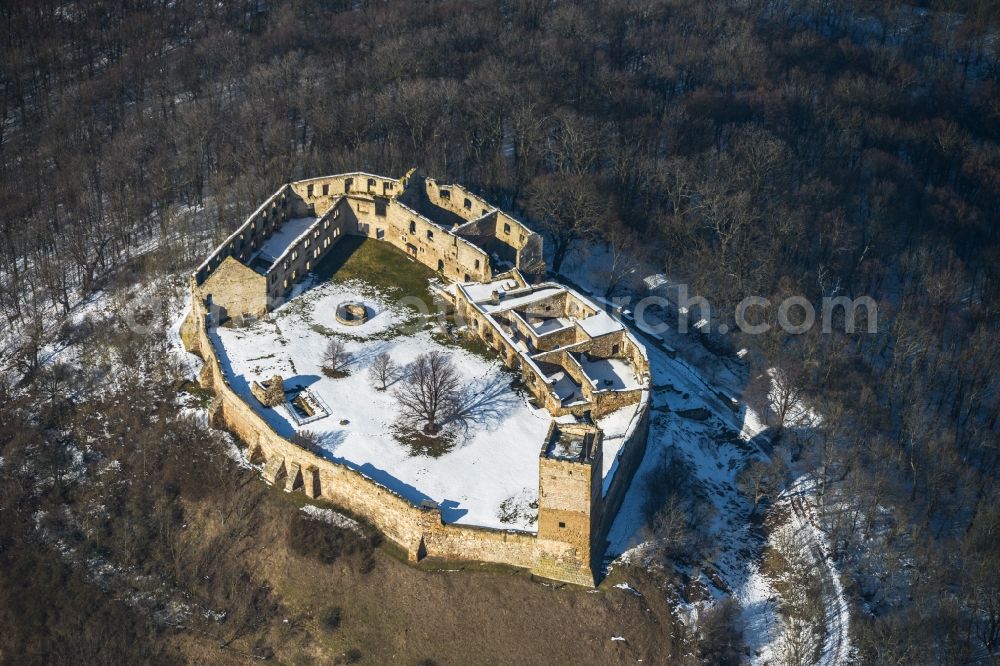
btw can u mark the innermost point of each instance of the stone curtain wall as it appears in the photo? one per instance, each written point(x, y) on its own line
point(458, 200)
point(629, 457)
point(559, 553)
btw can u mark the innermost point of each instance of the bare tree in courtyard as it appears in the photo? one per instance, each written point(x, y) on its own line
point(383, 371)
point(430, 391)
point(336, 358)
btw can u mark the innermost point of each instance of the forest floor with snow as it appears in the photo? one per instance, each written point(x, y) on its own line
point(749, 559)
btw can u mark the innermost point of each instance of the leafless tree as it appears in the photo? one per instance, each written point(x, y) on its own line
point(568, 208)
point(778, 394)
point(761, 481)
point(383, 371)
point(625, 255)
point(307, 439)
point(430, 391)
point(336, 358)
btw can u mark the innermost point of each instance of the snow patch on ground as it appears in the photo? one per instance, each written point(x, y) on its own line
point(334, 518)
point(762, 623)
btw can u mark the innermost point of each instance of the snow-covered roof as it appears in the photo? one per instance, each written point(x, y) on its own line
point(600, 324)
point(611, 374)
point(483, 291)
point(283, 238)
point(520, 300)
point(550, 325)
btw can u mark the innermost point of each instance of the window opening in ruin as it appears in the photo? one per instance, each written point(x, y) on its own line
point(445, 194)
point(348, 183)
point(413, 227)
point(562, 524)
point(468, 204)
point(616, 349)
point(440, 265)
point(430, 235)
point(309, 190)
point(326, 189)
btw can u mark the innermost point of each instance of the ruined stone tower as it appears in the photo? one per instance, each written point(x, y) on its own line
point(569, 499)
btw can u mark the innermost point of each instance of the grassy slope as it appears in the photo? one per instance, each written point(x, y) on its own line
point(398, 613)
point(377, 263)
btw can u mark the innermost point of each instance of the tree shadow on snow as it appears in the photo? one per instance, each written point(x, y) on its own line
point(484, 404)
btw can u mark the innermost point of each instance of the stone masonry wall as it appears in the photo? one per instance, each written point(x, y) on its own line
point(393, 222)
point(322, 192)
point(304, 254)
point(570, 491)
point(235, 290)
point(628, 461)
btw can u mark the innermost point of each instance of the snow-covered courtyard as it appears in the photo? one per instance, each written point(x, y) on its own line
point(494, 459)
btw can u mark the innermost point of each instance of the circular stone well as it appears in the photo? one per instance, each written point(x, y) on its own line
point(352, 313)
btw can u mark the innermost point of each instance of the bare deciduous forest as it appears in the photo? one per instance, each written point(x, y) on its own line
point(748, 148)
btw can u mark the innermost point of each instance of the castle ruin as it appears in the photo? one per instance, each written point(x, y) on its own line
point(578, 362)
